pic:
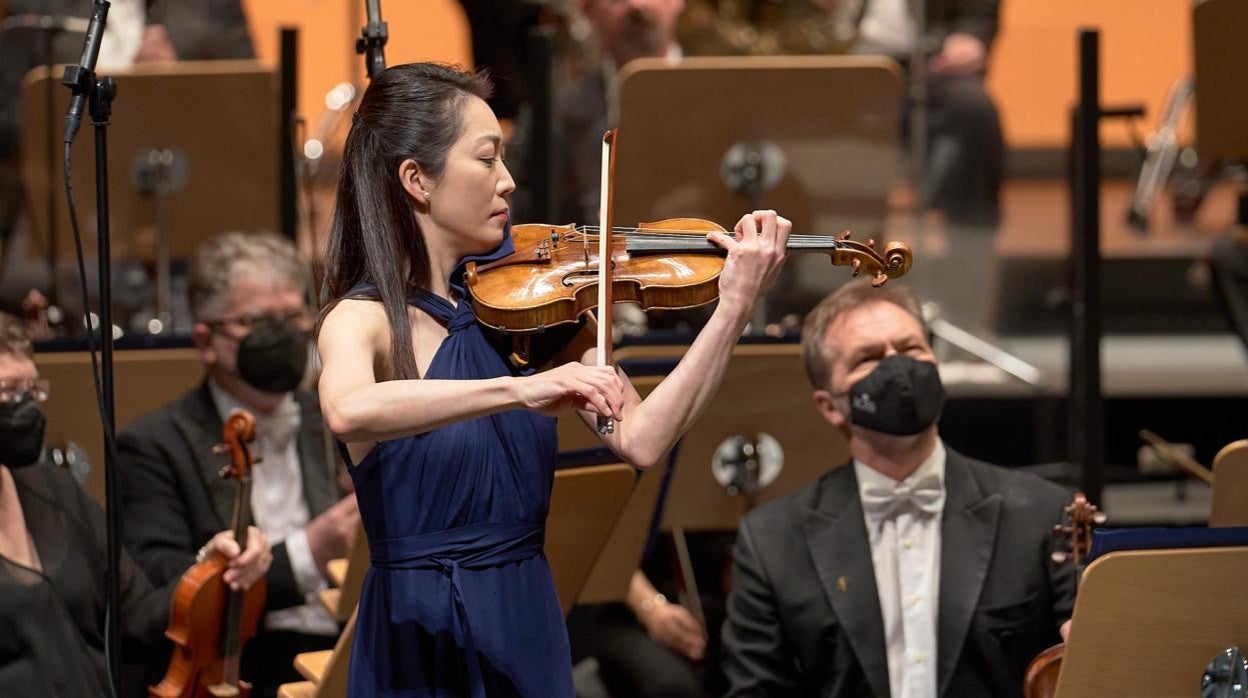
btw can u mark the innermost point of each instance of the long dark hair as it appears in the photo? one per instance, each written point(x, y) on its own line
point(412, 112)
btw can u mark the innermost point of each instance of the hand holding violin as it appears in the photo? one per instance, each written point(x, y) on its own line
point(245, 566)
point(755, 256)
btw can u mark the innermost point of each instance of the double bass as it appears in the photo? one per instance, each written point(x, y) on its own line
point(209, 623)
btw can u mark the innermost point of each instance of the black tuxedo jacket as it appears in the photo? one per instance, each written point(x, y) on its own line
point(804, 614)
point(174, 501)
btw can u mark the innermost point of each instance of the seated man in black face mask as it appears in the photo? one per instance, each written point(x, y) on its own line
point(910, 571)
point(252, 328)
point(53, 555)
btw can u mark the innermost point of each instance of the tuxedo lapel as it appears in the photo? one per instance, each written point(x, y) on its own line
point(968, 535)
point(318, 484)
point(841, 553)
point(200, 425)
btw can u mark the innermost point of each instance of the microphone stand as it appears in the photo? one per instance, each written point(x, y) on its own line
point(372, 41)
point(100, 92)
point(917, 88)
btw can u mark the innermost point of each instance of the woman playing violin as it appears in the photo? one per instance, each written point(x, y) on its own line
point(451, 446)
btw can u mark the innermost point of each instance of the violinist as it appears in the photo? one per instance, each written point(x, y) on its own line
point(450, 445)
point(910, 571)
point(247, 296)
point(53, 555)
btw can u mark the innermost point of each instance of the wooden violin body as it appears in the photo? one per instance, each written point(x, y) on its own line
point(209, 623)
point(199, 603)
point(552, 277)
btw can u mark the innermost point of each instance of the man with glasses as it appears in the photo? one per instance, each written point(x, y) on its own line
point(252, 330)
point(53, 555)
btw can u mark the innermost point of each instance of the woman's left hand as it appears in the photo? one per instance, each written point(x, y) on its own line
point(755, 256)
point(247, 566)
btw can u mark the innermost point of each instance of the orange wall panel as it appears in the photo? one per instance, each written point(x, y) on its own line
point(1145, 47)
point(421, 30)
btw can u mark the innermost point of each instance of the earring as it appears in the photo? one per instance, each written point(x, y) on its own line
point(428, 196)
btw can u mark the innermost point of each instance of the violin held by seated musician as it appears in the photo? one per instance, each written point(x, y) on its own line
point(211, 619)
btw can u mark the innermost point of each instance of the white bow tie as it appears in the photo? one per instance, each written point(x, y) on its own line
point(925, 494)
point(277, 429)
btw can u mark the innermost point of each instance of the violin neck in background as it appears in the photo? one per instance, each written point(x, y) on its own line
point(659, 243)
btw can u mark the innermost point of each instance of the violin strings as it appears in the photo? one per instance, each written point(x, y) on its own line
point(685, 234)
point(676, 235)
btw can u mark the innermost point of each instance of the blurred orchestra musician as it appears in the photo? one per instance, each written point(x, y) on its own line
point(965, 153)
point(53, 555)
point(252, 331)
point(50, 32)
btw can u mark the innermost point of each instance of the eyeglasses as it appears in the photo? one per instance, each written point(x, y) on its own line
point(14, 391)
point(300, 317)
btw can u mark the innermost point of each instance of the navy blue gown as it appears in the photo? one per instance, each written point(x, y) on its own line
point(459, 600)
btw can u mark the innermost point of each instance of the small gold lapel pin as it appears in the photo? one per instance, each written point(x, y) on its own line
point(842, 584)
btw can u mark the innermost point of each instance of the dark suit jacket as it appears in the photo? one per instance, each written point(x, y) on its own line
point(175, 501)
point(581, 119)
point(804, 614)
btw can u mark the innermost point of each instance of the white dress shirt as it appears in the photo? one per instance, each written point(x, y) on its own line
point(905, 552)
point(886, 27)
point(280, 511)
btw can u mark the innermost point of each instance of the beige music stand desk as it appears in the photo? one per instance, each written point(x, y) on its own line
point(834, 119)
point(222, 115)
point(585, 505)
point(1221, 61)
point(1230, 486)
point(1147, 622)
point(765, 390)
point(145, 379)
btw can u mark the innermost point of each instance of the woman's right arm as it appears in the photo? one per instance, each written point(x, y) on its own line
point(361, 409)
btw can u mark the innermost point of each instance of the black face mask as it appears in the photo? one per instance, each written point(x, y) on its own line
point(273, 357)
point(21, 432)
point(902, 396)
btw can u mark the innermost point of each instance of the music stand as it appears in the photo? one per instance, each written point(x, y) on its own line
point(584, 507)
point(146, 379)
point(193, 151)
point(621, 555)
point(1147, 622)
point(765, 391)
point(814, 137)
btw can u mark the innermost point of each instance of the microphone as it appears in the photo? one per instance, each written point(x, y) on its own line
point(77, 75)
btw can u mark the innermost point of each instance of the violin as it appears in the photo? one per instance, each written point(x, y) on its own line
point(1040, 681)
point(559, 273)
point(552, 277)
point(208, 622)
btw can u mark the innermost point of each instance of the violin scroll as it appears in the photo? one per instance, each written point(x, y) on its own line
point(893, 263)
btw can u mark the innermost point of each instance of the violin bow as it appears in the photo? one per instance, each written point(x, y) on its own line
point(606, 215)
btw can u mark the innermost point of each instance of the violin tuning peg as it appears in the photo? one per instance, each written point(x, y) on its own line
point(224, 473)
point(1099, 517)
point(220, 449)
point(856, 266)
point(879, 279)
point(844, 235)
